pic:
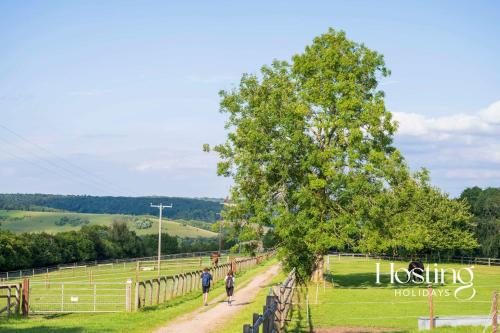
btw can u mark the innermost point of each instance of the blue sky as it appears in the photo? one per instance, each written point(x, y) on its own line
point(117, 97)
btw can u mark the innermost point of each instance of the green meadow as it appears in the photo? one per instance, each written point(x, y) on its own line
point(33, 221)
point(350, 297)
point(141, 321)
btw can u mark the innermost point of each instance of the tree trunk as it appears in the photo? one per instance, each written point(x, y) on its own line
point(317, 275)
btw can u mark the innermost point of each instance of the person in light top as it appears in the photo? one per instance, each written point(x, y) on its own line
point(229, 281)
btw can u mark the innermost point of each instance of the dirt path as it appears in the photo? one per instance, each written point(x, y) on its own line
point(208, 319)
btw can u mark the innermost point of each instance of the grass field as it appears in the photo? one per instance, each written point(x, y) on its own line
point(102, 287)
point(32, 221)
point(350, 297)
point(137, 322)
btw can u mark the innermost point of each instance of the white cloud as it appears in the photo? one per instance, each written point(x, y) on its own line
point(484, 122)
point(460, 149)
point(492, 113)
point(472, 173)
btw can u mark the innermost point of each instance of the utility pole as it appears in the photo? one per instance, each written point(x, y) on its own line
point(160, 207)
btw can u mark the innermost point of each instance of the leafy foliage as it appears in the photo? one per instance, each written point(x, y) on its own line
point(485, 205)
point(91, 242)
point(413, 217)
point(310, 151)
point(73, 221)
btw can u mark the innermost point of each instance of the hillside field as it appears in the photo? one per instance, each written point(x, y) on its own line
point(32, 221)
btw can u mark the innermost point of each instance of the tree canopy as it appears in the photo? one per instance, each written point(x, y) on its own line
point(91, 242)
point(310, 151)
point(485, 205)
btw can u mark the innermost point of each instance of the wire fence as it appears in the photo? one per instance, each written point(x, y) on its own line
point(161, 289)
point(66, 297)
point(425, 258)
point(110, 286)
point(350, 296)
point(331, 310)
point(76, 268)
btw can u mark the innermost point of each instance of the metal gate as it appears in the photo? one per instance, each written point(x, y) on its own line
point(66, 297)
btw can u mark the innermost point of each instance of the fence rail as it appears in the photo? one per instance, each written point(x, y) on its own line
point(161, 289)
point(32, 272)
point(454, 259)
point(275, 312)
point(12, 297)
point(72, 297)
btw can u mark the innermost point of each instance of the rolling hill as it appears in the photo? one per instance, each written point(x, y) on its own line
point(183, 208)
point(35, 221)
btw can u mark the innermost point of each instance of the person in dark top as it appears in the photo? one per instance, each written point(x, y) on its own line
point(206, 279)
point(229, 281)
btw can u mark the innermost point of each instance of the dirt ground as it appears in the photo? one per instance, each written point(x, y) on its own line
point(208, 319)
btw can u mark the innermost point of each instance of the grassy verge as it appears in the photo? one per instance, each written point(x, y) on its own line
point(141, 321)
point(351, 298)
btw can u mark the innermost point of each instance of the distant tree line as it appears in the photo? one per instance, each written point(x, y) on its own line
point(485, 207)
point(183, 208)
point(72, 220)
point(91, 242)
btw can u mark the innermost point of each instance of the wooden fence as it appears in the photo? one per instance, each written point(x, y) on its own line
point(12, 297)
point(16, 296)
point(159, 290)
point(33, 272)
point(275, 312)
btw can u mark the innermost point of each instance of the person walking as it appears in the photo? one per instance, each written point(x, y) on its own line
point(206, 279)
point(229, 281)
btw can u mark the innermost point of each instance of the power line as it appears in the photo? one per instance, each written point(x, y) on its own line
point(54, 168)
point(57, 156)
point(71, 164)
point(27, 161)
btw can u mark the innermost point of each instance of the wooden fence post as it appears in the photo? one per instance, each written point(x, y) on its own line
point(150, 283)
point(26, 297)
point(431, 308)
point(247, 328)
point(18, 299)
point(165, 290)
point(494, 320)
point(254, 319)
point(158, 282)
point(268, 325)
point(137, 296)
point(128, 294)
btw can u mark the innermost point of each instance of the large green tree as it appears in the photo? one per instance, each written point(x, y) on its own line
point(485, 205)
point(310, 150)
point(412, 217)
